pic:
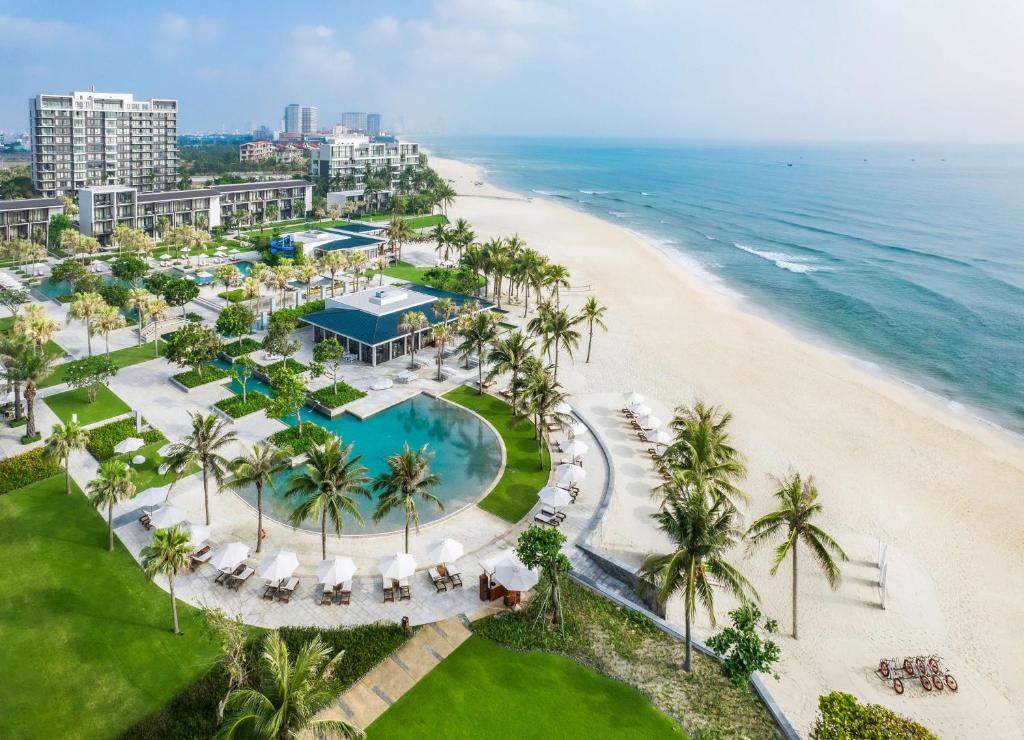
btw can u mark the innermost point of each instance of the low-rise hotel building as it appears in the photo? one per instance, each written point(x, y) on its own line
point(344, 159)
point(255, 151)
point(19, 219)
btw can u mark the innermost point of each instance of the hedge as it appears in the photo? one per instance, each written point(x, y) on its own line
point(290, 439)
point(233, 296)
point(332, 400)
point(191, 379)
point(102, 439)
point(289, 363)
point(240, 347)
point(22, 470)
point(295, 313)
point(234, 407)
point(840, 716)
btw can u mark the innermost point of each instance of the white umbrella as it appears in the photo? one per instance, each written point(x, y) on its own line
point(150, 497)
point(227, 557)
point(576, 448)
point(576, 428)
point(642, 410)
point(397, 566)
point(382, 385)
point(203, 274)
point(128, 445)
point(445, 551)
point(516, 577)
point(334, 571)
point(649, 421)
point(165, 450)
point(198, 534)
point(167, 516)
point(563, 408)
point(554, 496)
point(567, 473)
point(658, 436)
point(633, 399)
point(277, 566)
point(165, 257)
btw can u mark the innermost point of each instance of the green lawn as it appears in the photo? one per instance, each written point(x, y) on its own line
point(121, 357)
point(87, 648)
point(76, 401)
point(522, 479)
point(147, 474)
point(484, 690)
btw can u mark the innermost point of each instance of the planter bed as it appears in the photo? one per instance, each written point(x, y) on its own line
point(102, 439)
point(192, 379)
point(239, 347)
point(295, 365)
point(329, 399)
point(289, 439)
point(236, 408)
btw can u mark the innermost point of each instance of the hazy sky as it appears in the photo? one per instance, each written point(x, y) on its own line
point(718, 69)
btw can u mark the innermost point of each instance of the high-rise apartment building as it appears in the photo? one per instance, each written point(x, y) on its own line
point(373, 124)
point(309, 120)
point(91, 138)
point(344, 160)
point(293, 118)
point(354, 121)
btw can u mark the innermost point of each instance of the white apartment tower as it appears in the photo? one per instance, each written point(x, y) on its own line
point(89, 138)
point(301, 119)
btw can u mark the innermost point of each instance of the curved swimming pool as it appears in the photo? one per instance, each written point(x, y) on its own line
point(467, 457)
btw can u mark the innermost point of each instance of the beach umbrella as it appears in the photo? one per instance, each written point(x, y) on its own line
point(642, 410)
point(658, 436)
point(398, 566)
point(516, 576)
point(576, 428)
point(649, 421)
point(128, 445)
point(167, 516)
point(151, 497)
point(576, 448)
point(198, 534)
point(633, 399)
point(382, 385)
point(203, 274)
point(278, 566)
point(445, 551)
point(563, 408)
point(334, 571)
point(227, 557)
point(554, 496)
point(572, 474)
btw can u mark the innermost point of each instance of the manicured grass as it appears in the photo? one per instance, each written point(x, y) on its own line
point(103, 439)
point(192, 379)
point(76, 401)
point(87, 648)
point(147, 474)
point(121, 357)
point(483, 689)
point(523, 477)
point(6, 323)
point(233, 296)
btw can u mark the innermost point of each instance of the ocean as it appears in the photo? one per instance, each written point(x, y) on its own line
point(907, 259)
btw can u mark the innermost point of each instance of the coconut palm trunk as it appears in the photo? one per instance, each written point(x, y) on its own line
point(323, 534)
point(259, 515)
point(67, 472)
point(174, 604)
point(206, 493)
point(110, 526)
point(590, 337)
point(794, 591)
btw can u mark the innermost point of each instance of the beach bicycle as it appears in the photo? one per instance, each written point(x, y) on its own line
point(929, 670)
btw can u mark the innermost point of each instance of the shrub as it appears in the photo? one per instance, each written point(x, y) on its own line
point(742, 649)
point(235, 320)
point(333, 399)
point(290, 439)
point(194, 317)
point(18, 422)
point(22, 470)
point(841, 717)
point(115, 294)
point(102, 439)
point(192, 379)
point(27, 440)
point(237, 295)
point(457, 280)
point(293, 314)
point(240, 347)
point(236, 408)
point(293, 365)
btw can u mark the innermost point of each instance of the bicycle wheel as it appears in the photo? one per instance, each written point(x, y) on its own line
point(908, 667)
point(951, 683)
point(926, 683)
point(919, 664)
point(933, 664)
point(897, 685)
point(937, 683)
point(883, 668)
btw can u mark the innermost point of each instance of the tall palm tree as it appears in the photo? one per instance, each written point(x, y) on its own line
point(109, 319)
point(156, 310)
point(12, 346)
point(253, 289)
point(412, 323)
point(138, 299)
point(462, 235)
point(398, 232)
point(556, 277)
point(204, 447)
point(792, 521)
point(407, 478)
point(356, 263)
point(168, 554)
point(542, 396)
point(86, 307)
point(440, 234)
point(33, 366)
point(258, 468)
point(593, 314)
point(326, 486)
point(475, 259)
point(559, 332)
point(63, 440)
point(332, 263)
point(289, 695)
point(36, 325)
point(509, 355)
point(702, 531)
point(478, 333)
point(114, 482)
point(444, 194)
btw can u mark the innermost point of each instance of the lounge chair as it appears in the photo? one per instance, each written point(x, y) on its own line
point(343, 594)
point(404, 593)
point(145, 522)
point(552, 512)
point(199, 557)
point(389, 591)
point(326, 596)
point(271, 590)
point(545, 519)
point(225, 575)
point(439, 581)
point(284, 593)
point(454, 577)
point(235, 582)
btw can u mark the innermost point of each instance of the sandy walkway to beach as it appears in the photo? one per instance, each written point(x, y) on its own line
point(942, 491)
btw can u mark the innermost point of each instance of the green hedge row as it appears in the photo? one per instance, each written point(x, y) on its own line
point(289, 363)
point(22, 470)
point(333, 399)
point(191, 379)
point(290, 439)
point(232, 296)
point(295, 313)
point(102, 439)
point(236, 408)
point(240, 347)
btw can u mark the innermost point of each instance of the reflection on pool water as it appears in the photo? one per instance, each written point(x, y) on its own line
point(467, 456)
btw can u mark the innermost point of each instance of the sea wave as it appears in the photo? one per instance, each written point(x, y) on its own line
point(793, 263)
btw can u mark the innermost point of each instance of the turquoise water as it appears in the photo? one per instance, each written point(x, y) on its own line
point(905, 256)
point(244, 267)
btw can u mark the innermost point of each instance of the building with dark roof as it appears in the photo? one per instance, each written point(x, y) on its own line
point(20, 217)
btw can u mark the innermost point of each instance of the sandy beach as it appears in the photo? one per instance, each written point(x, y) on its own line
point(894, 468)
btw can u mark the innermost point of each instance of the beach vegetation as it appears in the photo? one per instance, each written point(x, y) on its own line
point(18, 471)
point(204, 446)
point(167, 555)
point(840, 716)
point(541, 547)
point(114, 483)
point(742, 648)
point(407, 479)
point(592, 314)
point(257, 468)
point(193, 346)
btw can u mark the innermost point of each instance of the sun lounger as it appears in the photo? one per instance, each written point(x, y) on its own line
point(439, 581)
point(235, 582)
point(284, 593)
point(343, 594)
point(326, 596)
point(389, 590)
point(550, 511)
point(270, 591)
point(224, 574)
point(145, 522)
point(545, 519)
point(454, 577)
point(199, 557)
point(404, 593)
point(553, 427)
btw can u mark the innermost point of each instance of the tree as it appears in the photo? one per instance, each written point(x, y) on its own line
point(702, 531)
point(233, 636)
point(32, 367)
point(13, 298)
point(407, 478)
point(236, 320)
point(412, 323)
point(63, 440)
point(442, 241)
point(792, 521)
point(307, 272)
point(325, 487)
point(86, 307)
point(557, 330)
point(742, 650)
point(67, 271)
point(168, 554)
point(329, 353)
point(12, 346)
point(193, 346)
point(509, 355)
point(332, 263)
point(109, 319)
point(356, 263)
point(257, 469)
point(114, 482)
point(137, 300)
point(398, 232)
point(57, 225)
point(290, 394)
point(241, 370)
point(276, 342)
point(593, 314)
point(840, 717)
point(289, 695)
point(541, 547)
point(228, 275)
point(157, 310)
point(35, 325)
point(479, 331)
point(90, 373)
point(556, 277)
point(179, 291)
point(204, 447)
point(271, 211)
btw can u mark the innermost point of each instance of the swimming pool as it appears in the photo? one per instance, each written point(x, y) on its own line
point(467, 457)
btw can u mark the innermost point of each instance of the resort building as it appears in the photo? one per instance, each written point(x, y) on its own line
point(366, 323)
point(19, 219)
point(254, 151)
point(345, 159)
point(88, 138)
point(103, 207)
point(359, 237)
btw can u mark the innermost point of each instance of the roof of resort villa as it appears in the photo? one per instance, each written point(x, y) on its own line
point(347, 237)
point(372, 316)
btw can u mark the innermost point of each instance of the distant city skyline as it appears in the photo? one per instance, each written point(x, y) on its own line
point(735, 70)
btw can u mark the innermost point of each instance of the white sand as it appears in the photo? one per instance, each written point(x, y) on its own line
point(892, 466)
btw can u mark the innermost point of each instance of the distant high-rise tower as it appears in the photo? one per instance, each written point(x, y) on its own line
point(354, 121)
point(373, 124)
point(293, 118)
point(310, 120)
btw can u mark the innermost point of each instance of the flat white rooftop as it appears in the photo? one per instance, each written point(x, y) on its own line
point(381, 301)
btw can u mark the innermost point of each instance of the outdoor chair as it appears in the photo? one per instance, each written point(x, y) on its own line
point(389, 594)
point(224, 575)
point(404, 593)
point(199, 557)
point(552, 512)
point(270, 591)
point(454, 577)
point(440, 584)
point(343, 595)
point(145, 522)
point(235, 582)
point(284, 593)
point(545, 519)
point(326, 596)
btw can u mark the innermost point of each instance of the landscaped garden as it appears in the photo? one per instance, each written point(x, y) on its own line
point(236, 407)
point(333, 397)
point(240, 347)
point(193, 379)
point(121, 358)
point(76, 401)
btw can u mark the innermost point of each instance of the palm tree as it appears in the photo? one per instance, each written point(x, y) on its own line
point(326, 486)
point(558, 332)
point(411, 323)
point(444, 195)
point(479, 332)
point(398, 233)
point(253, 288)
point(289, 696)
point(555, 277)
point(442, 237)
point(792, 521)
point(593, 314)
point(702, 531)
point(307, 272)
point(138, 298)
point(114, 482)
point(203, 447)
point(109, 319)
point(462, 235)
point(258, 468)
point(86, 307)
point(168, 554)
point(408, 476)
point(509, 355)
point(356, 262)
point(543, 395)
point(156, 310)
point(332, 263)
point(32, 367)
point(63, 440)
point(36, 325)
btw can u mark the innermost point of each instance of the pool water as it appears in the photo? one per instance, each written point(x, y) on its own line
point(244, 267)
